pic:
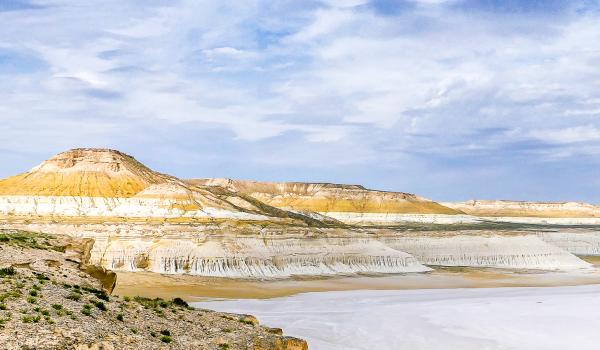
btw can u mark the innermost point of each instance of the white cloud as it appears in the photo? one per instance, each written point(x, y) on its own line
point(431, 81)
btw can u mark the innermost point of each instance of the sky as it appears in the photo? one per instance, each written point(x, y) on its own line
point(449, 99)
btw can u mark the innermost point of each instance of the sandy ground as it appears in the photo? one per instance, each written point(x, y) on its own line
point(554, 318)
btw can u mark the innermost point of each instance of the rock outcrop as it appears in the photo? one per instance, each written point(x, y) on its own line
point(48, 302)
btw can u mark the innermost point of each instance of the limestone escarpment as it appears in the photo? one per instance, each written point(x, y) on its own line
point(352, 204)
point(504, 208)
point(49, 303)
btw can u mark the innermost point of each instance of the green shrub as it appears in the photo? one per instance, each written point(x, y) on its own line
point(30, 319)
point(120, 317)
point(126, 298)
point(100, 305)
point(2, 306)
point(74, 296)
point(85, 311)
point(8, 271)
point(33, 293)
point(31, 300)
point(166, 339)
point(165, 332)
point(41, 277)
point(180, 302)
point(57, 306)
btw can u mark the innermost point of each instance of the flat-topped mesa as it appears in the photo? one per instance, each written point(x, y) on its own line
point(352, 204)
point(507, 208)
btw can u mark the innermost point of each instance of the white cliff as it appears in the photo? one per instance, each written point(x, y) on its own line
point(252, 257)
point(579, 242)
point(487, 250)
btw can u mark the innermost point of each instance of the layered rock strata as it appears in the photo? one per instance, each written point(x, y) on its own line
point(141, 220)
point(351, 204)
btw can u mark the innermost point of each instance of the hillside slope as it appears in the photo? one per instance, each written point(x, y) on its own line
point(99, 183)
point(47, 302)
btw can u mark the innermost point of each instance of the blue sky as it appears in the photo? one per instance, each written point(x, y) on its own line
point(448, 99)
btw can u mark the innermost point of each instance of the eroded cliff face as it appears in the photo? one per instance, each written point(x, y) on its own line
point(518, 209)
point(141, 220)
point(351, 204)
point(487, 249)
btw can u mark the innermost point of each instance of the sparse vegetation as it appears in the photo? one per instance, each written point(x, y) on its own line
point(100, 305)
point(166, 339)
point(7, 271)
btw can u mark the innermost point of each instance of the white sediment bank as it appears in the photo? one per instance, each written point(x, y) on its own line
point(501, 251)
point(253, 257)
point(391, 218)
point(133, 207)
point(576, 242)
point(551, 318)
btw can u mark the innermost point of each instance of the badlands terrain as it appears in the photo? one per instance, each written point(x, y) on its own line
point(90, 221)
point(142, 220)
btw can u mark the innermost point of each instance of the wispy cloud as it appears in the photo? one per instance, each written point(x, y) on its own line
point(382, 92)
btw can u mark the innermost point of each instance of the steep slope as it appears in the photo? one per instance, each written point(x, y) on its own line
point(49, 301)
point(84, 172)
point(351, 204)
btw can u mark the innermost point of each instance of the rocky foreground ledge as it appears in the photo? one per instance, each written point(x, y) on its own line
point(50, 298)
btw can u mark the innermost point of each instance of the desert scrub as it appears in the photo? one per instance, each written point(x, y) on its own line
point(166, 339)
point(24, 239)
point(120, 317)
point(31, 300)
point(74, 296)
point(180, 302)
point(30, 319)
point(224, 346)
point(8, 271)
point(100, 294)
point(100, 305)
point(86, 310)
